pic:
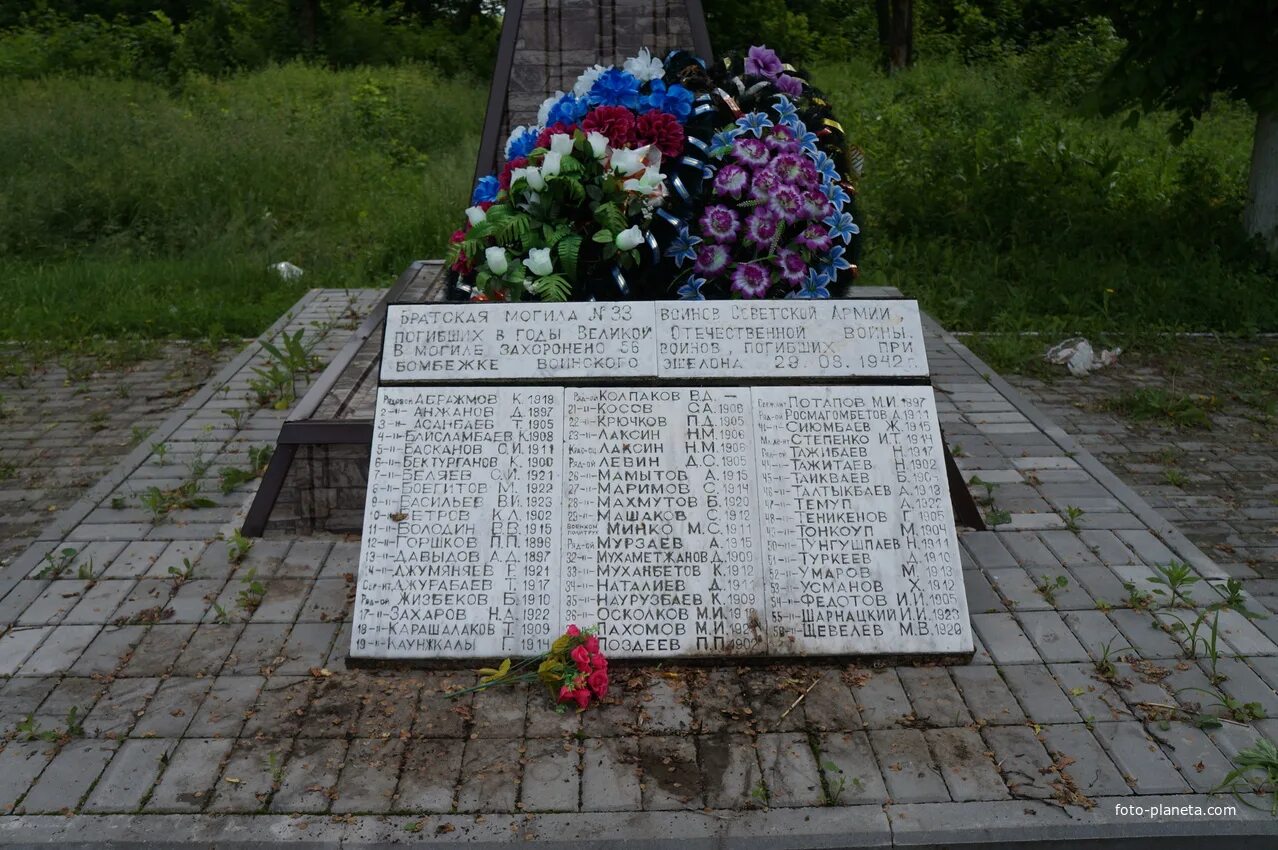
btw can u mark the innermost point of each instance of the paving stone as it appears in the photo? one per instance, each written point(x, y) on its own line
point(59, 650)
point(1050, 636)
point(335, 709)
point(1022, 761)
point(552, 776)
point(249, 777)
point(437, 715)
point(192, 774)
point(283, 599)
point(432, 767)
point(664, 707)
point(327, 602)
point(1028, 549)
point(670, 776)
point(1140, 759)
point(68, 777)
point(307, 647)
point(223, 711)
point(544, 721)
point(367, 782)
point(489, 776)
point(790, 770)
point(987, 696)
point(831, 706)
point(128, 778)
point(20, 763)
point(22, 696)
point(1002, 636)
point(1092, 770)
point(730, 771)
point(772, 694)
point(719, 703)
point(159, 649)
point(982, 598)
point(53, 604)
point(17, 598)
point(109, 650)
point(966, 766)
point(144, 600)
point(258, 647)
point(136, 559)
point(611, 779)
point(97, 603)
point(1242, 683)
point(309, 775)
point(1101, 583)
point(1094, 698)
point(935, 700)
point(1096, 633)
point(17, 645)
point(1017, 589)
point(172, 708)
point(1107, 547)
point(500, 712)
point(120, 707)
point(986, 547)
point(1039, 694)
point(1147, 547)
point(910, 772)
point(342, 558)
point(280, 708)
point(880, 699)
point(851, 773)
point(192, 603)
point(1143, 634)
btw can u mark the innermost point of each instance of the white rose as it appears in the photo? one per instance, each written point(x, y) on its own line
point(476, 215)
point(538, 262)
point(628, 161)
point(550, 164)
point(534, 178)
point(598, 144)
point(496, 259)
point(629, 238)
point(646, 183)
point(645, 67)
point(561, 143)
point(587, 80)
point(543, 112)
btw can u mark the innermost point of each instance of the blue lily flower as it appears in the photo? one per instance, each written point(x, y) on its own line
point(806, 138)
point(787, 112)
point(485, 190)
point(816, 285)
point(569, 109)
point(615, 87)
point(836, 194)
point(675, 99)
point(842, 226)
point(521, 142)
point(691, 291)
point(754, 122)
point(683, 247)
point(837, 261)
point(721, 142)
point(825, 166)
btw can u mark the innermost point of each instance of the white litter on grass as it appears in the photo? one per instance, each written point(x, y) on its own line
point(287, 271)
point(1079, 357)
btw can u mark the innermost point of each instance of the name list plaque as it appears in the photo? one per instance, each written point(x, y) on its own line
point(679, 520)
point(667, 340)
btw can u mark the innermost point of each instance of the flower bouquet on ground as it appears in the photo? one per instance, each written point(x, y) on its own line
point(667, 179)
point(574, 671)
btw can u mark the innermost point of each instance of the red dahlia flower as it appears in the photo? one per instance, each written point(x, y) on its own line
point(662, 130)
point(615, 122)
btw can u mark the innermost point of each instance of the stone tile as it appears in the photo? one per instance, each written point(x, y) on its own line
point(191, 776)
point(1143, 633)
point(1242, 683)
point(53, 604)
point(280, 708)
point(1092, 770)
point(1050, 636)
point(257, 649)
point(730, 771)
point(911, 774)
point(136, 559)
point(193, 601)
point(987, 696)
point(206, 651)
point(611, 776)
point(981, 596)
point(1002, 636)
point(145, 599)
point(68, 777)
point(327, 603)
point(368, 778)
point(1017, 590)
point(110, 650)
point(966, 766)
point(431, 771)
point(17, 645)
point(283, 600)
point(97, 603)
point(545, 721)
point(552, 776)
point(671, 778)
point(932, 694)
point(831, 706)
point(223, 711)
point(985, 546)
point(1140, 759)
point(307, 647)
point(20, 763)
point(851, 773)
point(171, 709)
point(1024, 764)
point(249, 777)
point(119, 709)
point(1199, 761)
point(720, 703)
point(158, 650)
point(880, 699)
point(127, 780)
point(790, 770)
point(437, 715)
point(664, 707)
point(60, 649)
point(489, 776)
point(1040, 695)
point(1096, 633)
point(309, 776)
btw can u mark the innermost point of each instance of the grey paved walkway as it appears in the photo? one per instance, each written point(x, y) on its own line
point(216, 705)
point(64, 424)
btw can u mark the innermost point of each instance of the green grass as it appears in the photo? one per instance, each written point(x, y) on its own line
point(128, 210)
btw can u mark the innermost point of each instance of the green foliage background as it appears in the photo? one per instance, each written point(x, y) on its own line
point(158, 156)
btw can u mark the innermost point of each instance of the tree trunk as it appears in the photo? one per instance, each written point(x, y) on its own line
point(310, 23)
point(896, 33)
point(1261, 216)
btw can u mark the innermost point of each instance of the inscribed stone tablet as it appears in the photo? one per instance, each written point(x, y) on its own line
point(790, 339)
point(860, 551)
point(427, 343)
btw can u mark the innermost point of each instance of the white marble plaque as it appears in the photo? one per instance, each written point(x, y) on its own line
point(790, 339)
point(859, 544)
point(670, 340)
point(680, 521)
point(428, 343)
